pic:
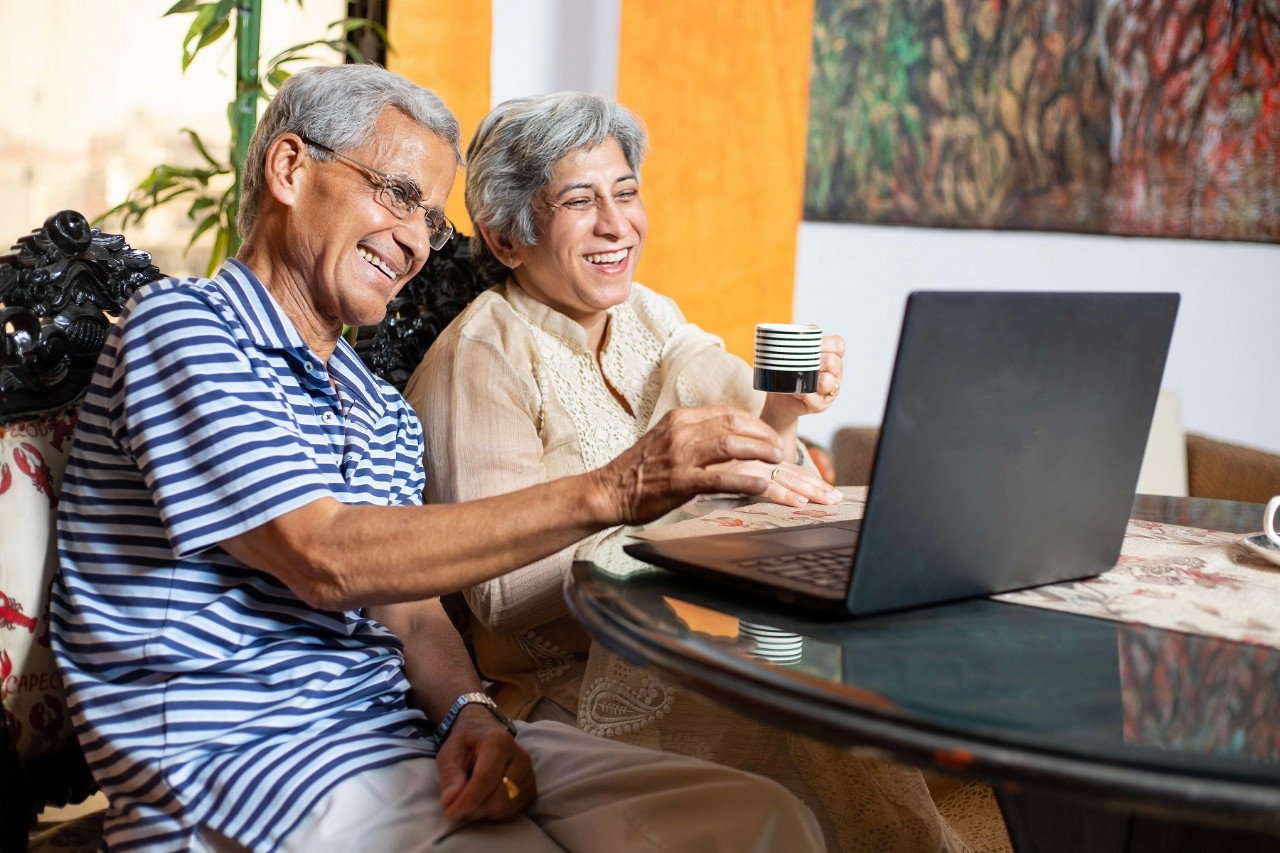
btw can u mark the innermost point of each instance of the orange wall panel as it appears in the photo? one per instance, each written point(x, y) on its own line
point(724, 90)
point(445, 46)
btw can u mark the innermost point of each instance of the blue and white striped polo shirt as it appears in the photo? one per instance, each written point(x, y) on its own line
point(203, 691)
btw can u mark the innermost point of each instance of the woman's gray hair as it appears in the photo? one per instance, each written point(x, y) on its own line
point(337, 106)
point(515, 151)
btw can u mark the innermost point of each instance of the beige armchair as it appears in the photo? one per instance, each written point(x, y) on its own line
point(1219, 469)
point(1215, 469)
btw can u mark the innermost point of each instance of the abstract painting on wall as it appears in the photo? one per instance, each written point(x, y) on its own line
point(1134, 117)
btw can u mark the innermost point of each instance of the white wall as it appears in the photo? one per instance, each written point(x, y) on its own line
point(1224, 361)
point(1225, 357)
point(94, 96)
point(544, 46)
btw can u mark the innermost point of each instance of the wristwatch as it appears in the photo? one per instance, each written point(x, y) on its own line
point(442, 730)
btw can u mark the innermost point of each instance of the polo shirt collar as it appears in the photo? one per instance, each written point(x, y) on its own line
point(265, 322)
point(269, 328)
point(353, 375)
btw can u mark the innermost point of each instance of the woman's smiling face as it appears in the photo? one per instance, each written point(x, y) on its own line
point(591, 225)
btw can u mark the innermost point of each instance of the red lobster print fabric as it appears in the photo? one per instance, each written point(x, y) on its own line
point(33, 455)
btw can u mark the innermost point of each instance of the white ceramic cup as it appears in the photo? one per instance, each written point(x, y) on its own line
point(1269, 520)
point(788, 358)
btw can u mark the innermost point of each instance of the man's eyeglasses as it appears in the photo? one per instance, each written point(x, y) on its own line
point(400, 196)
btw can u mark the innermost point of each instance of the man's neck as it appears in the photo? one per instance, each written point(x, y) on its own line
point(293, 296)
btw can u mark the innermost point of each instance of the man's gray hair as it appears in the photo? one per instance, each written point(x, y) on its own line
point(515, 151)
point(337, 106)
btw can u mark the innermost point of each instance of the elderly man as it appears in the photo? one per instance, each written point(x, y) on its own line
point(246, 612)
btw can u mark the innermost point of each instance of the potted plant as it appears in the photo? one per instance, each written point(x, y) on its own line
point(211, 190)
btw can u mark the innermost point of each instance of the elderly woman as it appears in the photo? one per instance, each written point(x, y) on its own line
point(557, 369)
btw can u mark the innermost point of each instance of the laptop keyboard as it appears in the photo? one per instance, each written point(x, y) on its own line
point(827, 569)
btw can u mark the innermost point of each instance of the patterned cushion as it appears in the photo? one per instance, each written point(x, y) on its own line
point(33, 455)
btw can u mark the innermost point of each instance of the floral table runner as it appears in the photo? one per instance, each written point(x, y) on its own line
point(1179, 578)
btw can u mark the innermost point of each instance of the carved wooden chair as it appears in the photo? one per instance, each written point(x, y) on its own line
point(59, 290)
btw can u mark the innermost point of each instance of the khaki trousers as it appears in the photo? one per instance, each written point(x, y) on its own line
point(593, 795)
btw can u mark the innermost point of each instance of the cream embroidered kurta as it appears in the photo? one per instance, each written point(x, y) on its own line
point(511, 396)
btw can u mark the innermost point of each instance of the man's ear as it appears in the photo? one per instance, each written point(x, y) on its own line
point(503, 248)
point(287, 167)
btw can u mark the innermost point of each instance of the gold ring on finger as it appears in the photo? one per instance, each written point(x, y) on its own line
point(773, 475)
point(513, 790)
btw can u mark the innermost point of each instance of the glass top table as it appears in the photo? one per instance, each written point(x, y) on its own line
point(1179, 729)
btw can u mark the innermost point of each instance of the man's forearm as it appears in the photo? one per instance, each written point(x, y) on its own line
point(336, 556)
point(437, 664)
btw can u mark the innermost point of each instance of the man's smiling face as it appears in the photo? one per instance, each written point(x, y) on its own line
point(356, 253)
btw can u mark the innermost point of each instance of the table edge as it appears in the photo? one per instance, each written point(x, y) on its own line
point(1210, 798)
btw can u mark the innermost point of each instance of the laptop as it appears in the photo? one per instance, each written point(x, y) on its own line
point(1009, 453)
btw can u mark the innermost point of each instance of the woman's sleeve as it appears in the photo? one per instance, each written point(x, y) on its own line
point(480, 411)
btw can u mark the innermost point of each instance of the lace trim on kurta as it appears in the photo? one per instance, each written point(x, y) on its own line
point(552, 660)
point(610, 708)
point(630, 363)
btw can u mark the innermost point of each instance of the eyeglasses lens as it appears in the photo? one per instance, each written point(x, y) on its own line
point(400, 203)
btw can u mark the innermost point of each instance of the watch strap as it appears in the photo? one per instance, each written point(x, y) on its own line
point(442, 730)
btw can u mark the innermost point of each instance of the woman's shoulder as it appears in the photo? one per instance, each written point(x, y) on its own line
point(487, 341)
point(489, 314)
point(487, 329)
